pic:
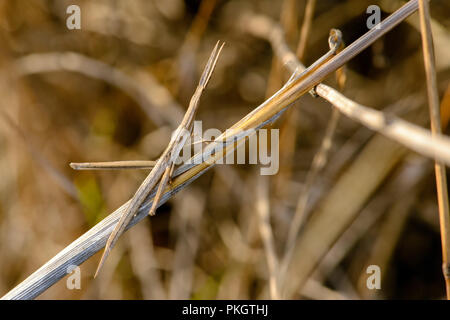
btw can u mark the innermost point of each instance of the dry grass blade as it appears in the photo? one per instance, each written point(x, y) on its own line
point(265, 229)
point(187, 223)
point(186, 64)
point(433, 98)
point(146, 265)
point(365, 175)
point(300, 212)
point(306, 27)
point(401, 186)
point(336, 45)
point(290, 126)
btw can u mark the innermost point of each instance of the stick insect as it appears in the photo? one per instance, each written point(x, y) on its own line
point(163, 168)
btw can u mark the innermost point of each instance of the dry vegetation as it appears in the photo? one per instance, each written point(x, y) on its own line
point(345, 196)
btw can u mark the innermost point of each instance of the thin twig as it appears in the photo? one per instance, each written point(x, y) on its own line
point(433, 101)
point(400, 186)
point(265, 229)
point(188, 222)
point(306, 27)
point(144, 262)
point(321, 155)
point(186, 63)
point(288, 21)
point(300, 212)
point(289, 126)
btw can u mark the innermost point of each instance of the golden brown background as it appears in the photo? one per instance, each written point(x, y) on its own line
point(59, 107)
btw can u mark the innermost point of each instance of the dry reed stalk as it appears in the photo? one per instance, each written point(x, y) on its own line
point(320, 158)
point(338, 15)
point(287, 57)
point(94, 239)
point(300, 215)
point(342, 204)
point(370, 214)
point(186, 64)
point(321, 155)
point(339, 208)
point(144, 263)
point(433, 102)
point(348, 151)
point(289, 125)
point(315, 290)
point(288, 21)
point(414, 137)
point(277, 76)
point(305, 29)
point(440, 34)
point(188, 226)
point(407, 179)
point(265, 230)
point(387, 240)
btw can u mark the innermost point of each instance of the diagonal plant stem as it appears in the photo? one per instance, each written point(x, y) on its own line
point(93, 240)
point(412, 136)
point(320, 157)
point(265, 229)
point(433, 101)
point(388, 126)
point(306, 27)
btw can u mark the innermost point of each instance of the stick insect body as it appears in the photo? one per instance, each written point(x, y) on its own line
point(163, 169)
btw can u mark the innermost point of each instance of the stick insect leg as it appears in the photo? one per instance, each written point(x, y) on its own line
point(160, 190)
point(113, 165)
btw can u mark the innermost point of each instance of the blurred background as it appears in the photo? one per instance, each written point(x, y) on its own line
point(118, 87)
